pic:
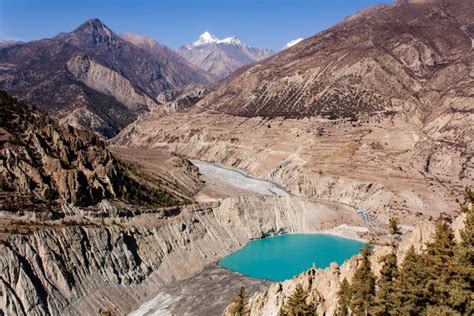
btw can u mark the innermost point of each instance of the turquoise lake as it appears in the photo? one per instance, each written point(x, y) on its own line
point(282, 257)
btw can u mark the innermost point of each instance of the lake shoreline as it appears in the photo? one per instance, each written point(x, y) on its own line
point(279, 258)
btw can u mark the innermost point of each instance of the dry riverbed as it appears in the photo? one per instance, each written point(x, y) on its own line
point(205, 293)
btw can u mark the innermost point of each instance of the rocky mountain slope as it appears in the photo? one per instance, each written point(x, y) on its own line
point(382, 59)
point(221, 57)
point(375, 112)
point(50, 163)
point(92, 78)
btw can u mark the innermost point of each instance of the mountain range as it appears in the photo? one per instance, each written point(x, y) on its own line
point(221, 57)
point(387, 90)
point(93, 78)
point(367, 123)
point(167, 56)
point(380, 59)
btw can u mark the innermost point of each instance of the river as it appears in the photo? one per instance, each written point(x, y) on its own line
point(239, 179)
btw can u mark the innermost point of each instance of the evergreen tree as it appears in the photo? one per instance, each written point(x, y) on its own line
point(393, 226)
point(239, 306)
point(344, 295)
point(296, 304)
point(363, 286)
point(465, 251)
point(461, 296)
point(441, 265)
point(384, 302)
point(410, 293)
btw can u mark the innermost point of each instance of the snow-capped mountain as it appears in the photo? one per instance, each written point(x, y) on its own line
point(205, 38)
point(292, 43)
point(208, 38)
point(221, 57)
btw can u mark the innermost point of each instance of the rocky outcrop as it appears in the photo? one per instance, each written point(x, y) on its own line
point(93, 260)
point(81, 117)
point(49, 161)
point(107, 81)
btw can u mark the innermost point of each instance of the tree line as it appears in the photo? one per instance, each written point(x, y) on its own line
point(436, 281)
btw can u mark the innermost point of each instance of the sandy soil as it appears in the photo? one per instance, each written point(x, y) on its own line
point(214, 285)
point(221, 182)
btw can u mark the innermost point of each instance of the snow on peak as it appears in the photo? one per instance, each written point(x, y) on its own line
point(292, 43)
point(231, 40)
point(208, 38)
point(205, 38)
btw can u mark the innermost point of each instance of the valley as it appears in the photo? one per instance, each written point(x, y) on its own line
point(129, 170)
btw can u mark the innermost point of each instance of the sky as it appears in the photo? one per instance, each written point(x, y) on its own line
point(259, 23)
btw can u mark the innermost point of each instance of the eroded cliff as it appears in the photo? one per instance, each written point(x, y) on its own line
point(91, 259)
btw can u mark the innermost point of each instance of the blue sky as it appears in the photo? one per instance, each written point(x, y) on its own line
point(259, 23)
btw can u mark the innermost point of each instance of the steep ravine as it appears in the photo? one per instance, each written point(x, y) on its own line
point(83, 263)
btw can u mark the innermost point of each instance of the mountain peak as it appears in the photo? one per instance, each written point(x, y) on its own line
point(205, 38)
point(208, 38)
point(94, 24)
point(221, 57)
point(92, 30)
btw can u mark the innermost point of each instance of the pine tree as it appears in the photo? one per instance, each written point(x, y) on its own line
point(393, 226)
point(465, 251)
point(344, 295)
point(410, 293)
point(441, 265)
point(461, 296)
point(363, 286)
point(296, 304)
point(239, 306)
point(384, 302)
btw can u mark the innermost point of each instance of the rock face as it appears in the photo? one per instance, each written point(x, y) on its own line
point(375, 112)
point(93, 70)
point(99, 259)
point(221, 57)
point(49, 161)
